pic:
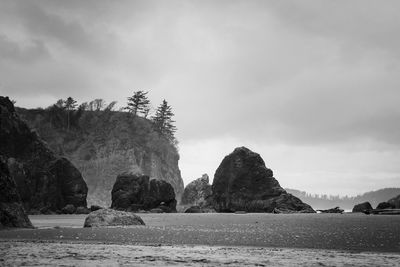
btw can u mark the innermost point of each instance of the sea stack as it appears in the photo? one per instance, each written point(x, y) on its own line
point(242, 182)
point(198, 192)
point(135, 192)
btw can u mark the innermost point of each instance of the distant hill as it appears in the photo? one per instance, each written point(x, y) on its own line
point(105, 143)
point(347, 203)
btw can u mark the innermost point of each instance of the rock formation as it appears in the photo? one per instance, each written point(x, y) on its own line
point(243, 183)
point(384, 205)
point(198, 192)
point(12, 213)
point(109, 217)
point(395, 202)
point(362, 207)
point(44, 181)
point(198, 209)
point(104, 144)
point(333, 210)
point(134, 192)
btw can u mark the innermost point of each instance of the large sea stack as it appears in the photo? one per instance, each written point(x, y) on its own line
point(45, 182)
point(242, 182)
point(135, 192)
point(12, 213)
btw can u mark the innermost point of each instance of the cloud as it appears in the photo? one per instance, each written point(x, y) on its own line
point(14, 52)
point(316, 74)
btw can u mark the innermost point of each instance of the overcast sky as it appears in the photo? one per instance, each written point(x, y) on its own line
point(312, 86)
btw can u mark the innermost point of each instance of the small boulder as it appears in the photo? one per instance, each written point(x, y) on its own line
point(156, 210)
point(82, 210)
point(68, 209)
point(333, 210)
point(193, 209)
point(110, 217)
point(95, 207)
point(197, 209)
point(362, 207)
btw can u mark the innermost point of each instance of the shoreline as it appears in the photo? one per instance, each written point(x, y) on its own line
point(82, 253)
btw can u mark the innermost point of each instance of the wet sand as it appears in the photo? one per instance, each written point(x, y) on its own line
point(289, 239)
point(90, 254)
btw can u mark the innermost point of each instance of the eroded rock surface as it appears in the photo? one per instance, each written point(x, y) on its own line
point(242, 182)
point(12, 213)
point(134, 192)
point(365, 206)
point(110, 217)
point(44, 181)
point(198, 192)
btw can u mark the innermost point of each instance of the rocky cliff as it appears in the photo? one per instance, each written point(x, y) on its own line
point(12, 213)
point(103, 144)
point(44, 181)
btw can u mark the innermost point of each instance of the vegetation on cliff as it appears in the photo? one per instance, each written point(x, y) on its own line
point(103, 143)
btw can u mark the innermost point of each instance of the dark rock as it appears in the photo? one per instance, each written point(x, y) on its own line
point(385, 205)
point(68, 209)
point(133, 192)
point(12, 213)
point(333, 210)
point(242, 182)
point(198, 209)
point(194, 209)
point(162, 195)
point(109, 217)
point(198, 192)
point(362, 207)
point(44, 181)
point(156, 210)
point(95, 207)
point(395, 202)
point(82, 210)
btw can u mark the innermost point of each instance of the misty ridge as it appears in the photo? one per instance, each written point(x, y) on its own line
point(323, 201)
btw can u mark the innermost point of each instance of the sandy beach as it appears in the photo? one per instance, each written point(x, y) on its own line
point(209, 239)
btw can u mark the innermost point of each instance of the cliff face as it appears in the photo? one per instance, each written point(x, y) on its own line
point(45, 182)
point(105, 144)
point(12, 213)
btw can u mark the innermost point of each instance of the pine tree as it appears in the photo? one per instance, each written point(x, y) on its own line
point(138, 103)
point(70, 104)
point(163, 122)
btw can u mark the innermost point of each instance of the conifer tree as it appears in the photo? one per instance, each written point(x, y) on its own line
point(70, 104)
point(138, 103)
point(163, 122)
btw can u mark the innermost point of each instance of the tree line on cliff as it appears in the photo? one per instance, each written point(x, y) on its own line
point(66, 114)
